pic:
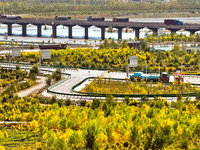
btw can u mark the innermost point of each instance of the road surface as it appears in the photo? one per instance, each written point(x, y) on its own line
point(41, 84)
point(79, 75)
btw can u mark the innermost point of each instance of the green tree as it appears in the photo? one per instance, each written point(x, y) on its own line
point(57, 74)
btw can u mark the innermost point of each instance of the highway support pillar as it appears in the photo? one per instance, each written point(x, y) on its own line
point(173, 31)
point(103, 33)
point(155, 30)
point(119, 33)
point(192, 32)
point(39, 30)
point(70, 32)
point(86, 32)
point(9, 29)
point(24, 28)
point(137, 33)
point(54, 28)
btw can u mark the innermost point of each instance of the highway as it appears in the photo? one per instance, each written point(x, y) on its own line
point(79, 75)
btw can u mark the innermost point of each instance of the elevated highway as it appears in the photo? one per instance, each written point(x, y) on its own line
point(154, 26)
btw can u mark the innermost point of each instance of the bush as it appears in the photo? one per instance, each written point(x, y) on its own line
point(83, 103)
point(48, 80)
point(95, 103)
point(68, 102)
point(53, 100)
point(57, 74)
point(34, 69)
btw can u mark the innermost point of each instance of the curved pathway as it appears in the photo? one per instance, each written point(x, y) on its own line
point(41, 83)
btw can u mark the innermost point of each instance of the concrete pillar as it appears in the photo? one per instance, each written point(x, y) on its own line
point(86, 32)
point(70, 32)
point(173, 30)
point(192, 32)
point(103, 33)
point(54, 28)
point(119, 33)
point(39, 30)
point(9, 29)
point(24, 29)
point(155, 30)
point(137, 32)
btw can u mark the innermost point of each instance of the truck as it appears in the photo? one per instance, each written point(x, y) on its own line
point(14, 17)
point(90, 18)
point(164, 77)
point(3, 17)
point(62, 18)
point(173, 22)
point(53, 46)
point(120, 19)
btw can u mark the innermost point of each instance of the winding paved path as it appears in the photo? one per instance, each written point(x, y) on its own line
point(41, 84)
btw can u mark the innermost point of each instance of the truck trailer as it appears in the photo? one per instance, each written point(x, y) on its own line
point(14, 17)
point(62, 18)
point(53, 46)
point(90, 18)
point(120, 19)
point(173, 22)
point(164, 77)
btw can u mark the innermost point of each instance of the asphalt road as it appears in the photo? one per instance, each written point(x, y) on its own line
point(79, 75)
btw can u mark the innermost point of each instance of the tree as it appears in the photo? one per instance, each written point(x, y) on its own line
point(34, 69)
point(48, 80)
point(95, 103)
point(57, 74)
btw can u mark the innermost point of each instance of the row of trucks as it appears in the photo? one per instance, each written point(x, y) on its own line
point(164, 77)
point(90, 18)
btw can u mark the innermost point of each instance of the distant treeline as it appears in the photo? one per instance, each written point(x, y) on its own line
point(93, 7)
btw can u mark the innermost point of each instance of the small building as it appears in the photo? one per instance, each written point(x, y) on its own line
point(164, 49)
point(195, 48)
point(135, 44)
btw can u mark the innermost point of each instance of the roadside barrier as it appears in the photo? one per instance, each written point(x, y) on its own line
point(86, 95)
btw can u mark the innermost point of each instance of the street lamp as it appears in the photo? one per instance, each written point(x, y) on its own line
point(52, 35)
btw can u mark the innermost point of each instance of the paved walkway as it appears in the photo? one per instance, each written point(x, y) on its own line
point(41, 84)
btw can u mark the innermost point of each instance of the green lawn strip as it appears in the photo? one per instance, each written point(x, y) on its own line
point(19, 138)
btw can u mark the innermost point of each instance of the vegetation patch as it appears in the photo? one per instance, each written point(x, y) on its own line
point(113, 55)
point(112, 86)
point(100, 125)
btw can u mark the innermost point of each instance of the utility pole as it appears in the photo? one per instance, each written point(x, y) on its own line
point(181, 73)
point(22, 46)
point(52, 35)
point(9, 57)
point(39, 60)
point(146, 72)
point(127, 68)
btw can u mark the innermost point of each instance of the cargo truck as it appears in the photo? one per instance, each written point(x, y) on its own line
point(120, 19)
point(14, 17)
point(62, 18)
point(3, 16)
point(164, 77)
point(90, 18)
point(173, 22)
point(53, 46)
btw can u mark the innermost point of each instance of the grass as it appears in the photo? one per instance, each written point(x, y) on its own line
point(128, 14)
point(17, 138)
point(109, 86)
